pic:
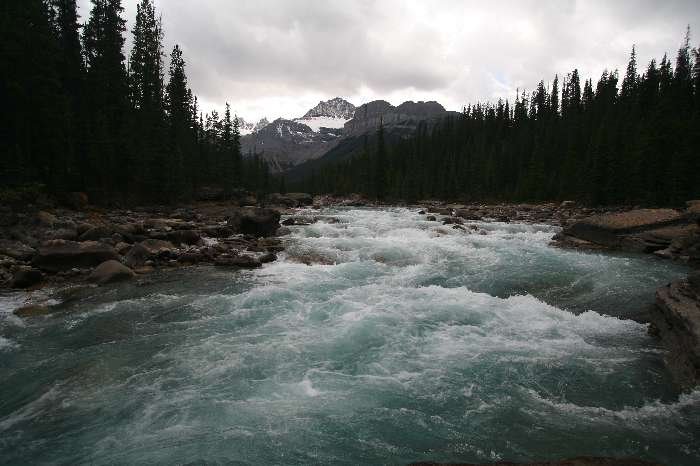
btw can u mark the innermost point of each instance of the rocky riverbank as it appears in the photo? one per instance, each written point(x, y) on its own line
point(86, 245)
point(92, 246)
point(668, 234)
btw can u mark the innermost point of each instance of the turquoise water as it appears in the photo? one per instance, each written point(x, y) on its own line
point(420, 343)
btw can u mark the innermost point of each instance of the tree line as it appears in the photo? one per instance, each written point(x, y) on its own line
point(81, 116)
point(634, 142)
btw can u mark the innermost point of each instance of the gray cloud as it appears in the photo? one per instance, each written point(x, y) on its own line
point(279, 57)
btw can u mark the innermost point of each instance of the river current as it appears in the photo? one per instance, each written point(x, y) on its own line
point(405, 341)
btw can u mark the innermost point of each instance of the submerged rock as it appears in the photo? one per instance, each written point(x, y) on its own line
point(32, 311)
point(238, 260)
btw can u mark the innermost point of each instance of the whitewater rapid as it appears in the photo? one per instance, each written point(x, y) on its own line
point(404, 340)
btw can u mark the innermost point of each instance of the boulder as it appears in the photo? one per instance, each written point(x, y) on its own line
point(608, 229)
point(268, 258)
point(110, 272)
point(299, 221)
point(677, 319)
point(238, 260)
point(97, 233)
point(59, 255)
point(191, 257)
point(26, 277)
point(46, 219)
point(694, 282)
point(148, 249)
point(452, 221)
point(122, 248)
point(188, 237)
point(290, 199)
point(271, 244)
point(468, 214)
point(62, 233)
point(694, 207)
point(248, 201)
point(16, 250)
point(255, 221)
point(302, 199)
point(32, 311)
point(217, 231)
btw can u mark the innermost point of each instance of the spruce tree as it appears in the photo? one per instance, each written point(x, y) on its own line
point(380, 170)
point(107, 164)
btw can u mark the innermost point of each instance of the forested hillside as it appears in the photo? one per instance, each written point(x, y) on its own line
point(80, 116)
point(610, 142)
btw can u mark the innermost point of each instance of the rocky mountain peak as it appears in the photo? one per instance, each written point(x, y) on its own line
point(335, 108)
point(248, 127)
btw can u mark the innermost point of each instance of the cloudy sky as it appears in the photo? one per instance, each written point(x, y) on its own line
point(280, 57)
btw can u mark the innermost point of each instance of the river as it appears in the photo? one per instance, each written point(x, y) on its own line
point(413, 342)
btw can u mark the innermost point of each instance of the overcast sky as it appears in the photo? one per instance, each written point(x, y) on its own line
point(280, 57)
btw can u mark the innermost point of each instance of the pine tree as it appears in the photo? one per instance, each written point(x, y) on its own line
point(146, 92)
point(107, 165)
point(181, 131)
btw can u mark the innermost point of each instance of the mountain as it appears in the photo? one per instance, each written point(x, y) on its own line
point(405, 116)
point(332, 114)
point(287, 144)
point(249, 127)
point(399, 123)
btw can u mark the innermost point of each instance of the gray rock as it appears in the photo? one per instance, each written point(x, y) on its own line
point(32, 311)
point(255, 221)
point(609, 229)
point(60, 255)
point(188, 237)
point(111, 272)
point(16, 250)
point(97, 233)
point(238, 260)
point(46, 219)
point(63, 233)
point(678, 322)
point(26, 277)
point(268, 258)
point(147, 250)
